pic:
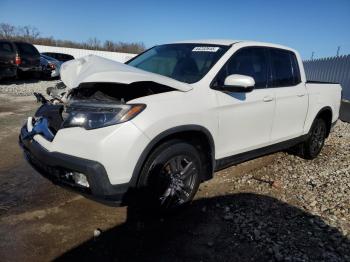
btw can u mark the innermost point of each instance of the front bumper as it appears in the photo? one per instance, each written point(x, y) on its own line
point(54, 166)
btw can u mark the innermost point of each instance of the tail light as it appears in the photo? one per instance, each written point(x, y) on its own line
point(18, 60)
point(52, 66)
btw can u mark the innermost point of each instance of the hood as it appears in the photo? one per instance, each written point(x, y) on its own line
point(93, 68)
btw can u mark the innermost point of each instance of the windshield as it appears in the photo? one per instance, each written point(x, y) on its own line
point(184, 62)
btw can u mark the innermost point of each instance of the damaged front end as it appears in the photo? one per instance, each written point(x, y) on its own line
point(91, 106)
point(95, 105)
point(96, 92)
point(87, 104)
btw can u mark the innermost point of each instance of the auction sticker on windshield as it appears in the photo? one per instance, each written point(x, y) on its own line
point(205, 49)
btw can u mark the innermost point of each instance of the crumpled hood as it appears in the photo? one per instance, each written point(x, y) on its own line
point(93, 68)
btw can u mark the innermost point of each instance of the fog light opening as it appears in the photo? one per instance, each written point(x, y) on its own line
point(80, 179)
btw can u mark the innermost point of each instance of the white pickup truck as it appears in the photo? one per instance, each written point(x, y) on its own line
point(163, 122)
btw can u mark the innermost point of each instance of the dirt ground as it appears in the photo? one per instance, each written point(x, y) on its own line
point(238, 216)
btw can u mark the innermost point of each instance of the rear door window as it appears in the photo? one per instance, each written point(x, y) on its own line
point(250, 61)
point(285, 69)
point(27, 49)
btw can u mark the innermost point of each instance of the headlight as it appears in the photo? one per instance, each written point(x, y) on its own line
point(96, 116)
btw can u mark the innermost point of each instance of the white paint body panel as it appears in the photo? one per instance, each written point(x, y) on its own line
point(245, 121)
point(238, 122)
point(290, 112)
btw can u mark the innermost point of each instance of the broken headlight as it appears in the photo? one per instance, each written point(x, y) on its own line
point(93, 116)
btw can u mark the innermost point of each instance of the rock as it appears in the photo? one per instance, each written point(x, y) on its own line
point(276, 252)
point(97, 232)
point(256, 234)
point(276, 184)
point(228, 216)
point(313, 203)
point(210, 243)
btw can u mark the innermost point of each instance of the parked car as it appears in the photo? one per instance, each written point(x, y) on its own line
point(165, 121)
point(50, 66)
point(8, 59)
point(59, 56)
point(28, 59)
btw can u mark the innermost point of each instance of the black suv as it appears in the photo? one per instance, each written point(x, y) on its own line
point(8, 67)
point(28, 59)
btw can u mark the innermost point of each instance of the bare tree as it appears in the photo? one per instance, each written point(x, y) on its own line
point(94, 43)
point(28, 33)
point(31, 34)
point(7, 31)
point(108, 45)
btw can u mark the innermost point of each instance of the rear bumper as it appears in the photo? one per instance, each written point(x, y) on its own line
point(54, 166)
point(29, 69)
point(8, 71)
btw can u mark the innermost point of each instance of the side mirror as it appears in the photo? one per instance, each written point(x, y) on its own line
point(238, 83)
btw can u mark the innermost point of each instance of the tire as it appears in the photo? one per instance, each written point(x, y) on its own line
point(171, 175)
point(311, 148)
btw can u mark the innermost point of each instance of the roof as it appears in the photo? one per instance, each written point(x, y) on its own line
point(227, 42)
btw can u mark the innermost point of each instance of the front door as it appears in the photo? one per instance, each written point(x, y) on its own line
point(245, 119)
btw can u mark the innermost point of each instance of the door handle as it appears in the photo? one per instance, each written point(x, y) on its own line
point(267, 98)
point(300, 95)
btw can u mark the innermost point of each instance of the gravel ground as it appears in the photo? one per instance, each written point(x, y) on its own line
point(25, 87)
point(320, 188)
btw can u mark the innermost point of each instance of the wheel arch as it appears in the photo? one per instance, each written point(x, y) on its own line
point(326, 114)
point(197, 135)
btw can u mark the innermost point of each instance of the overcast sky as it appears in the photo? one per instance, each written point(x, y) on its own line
point(320, 26)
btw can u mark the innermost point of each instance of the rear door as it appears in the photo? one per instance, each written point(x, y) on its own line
point(245, 119)
point(291, 95)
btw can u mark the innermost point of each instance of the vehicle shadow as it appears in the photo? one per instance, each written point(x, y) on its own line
point(239, 227)
point(19, 81)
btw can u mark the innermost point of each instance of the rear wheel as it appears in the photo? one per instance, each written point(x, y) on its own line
point(317, 136)
point(171, 174)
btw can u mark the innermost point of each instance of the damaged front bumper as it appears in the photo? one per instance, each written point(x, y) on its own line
point(60, 169)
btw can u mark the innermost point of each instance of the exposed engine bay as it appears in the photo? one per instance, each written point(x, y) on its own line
point(93, 105)
point(114, 92)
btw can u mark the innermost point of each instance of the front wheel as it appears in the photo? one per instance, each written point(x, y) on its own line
point(171, 174)
point(317, 136)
